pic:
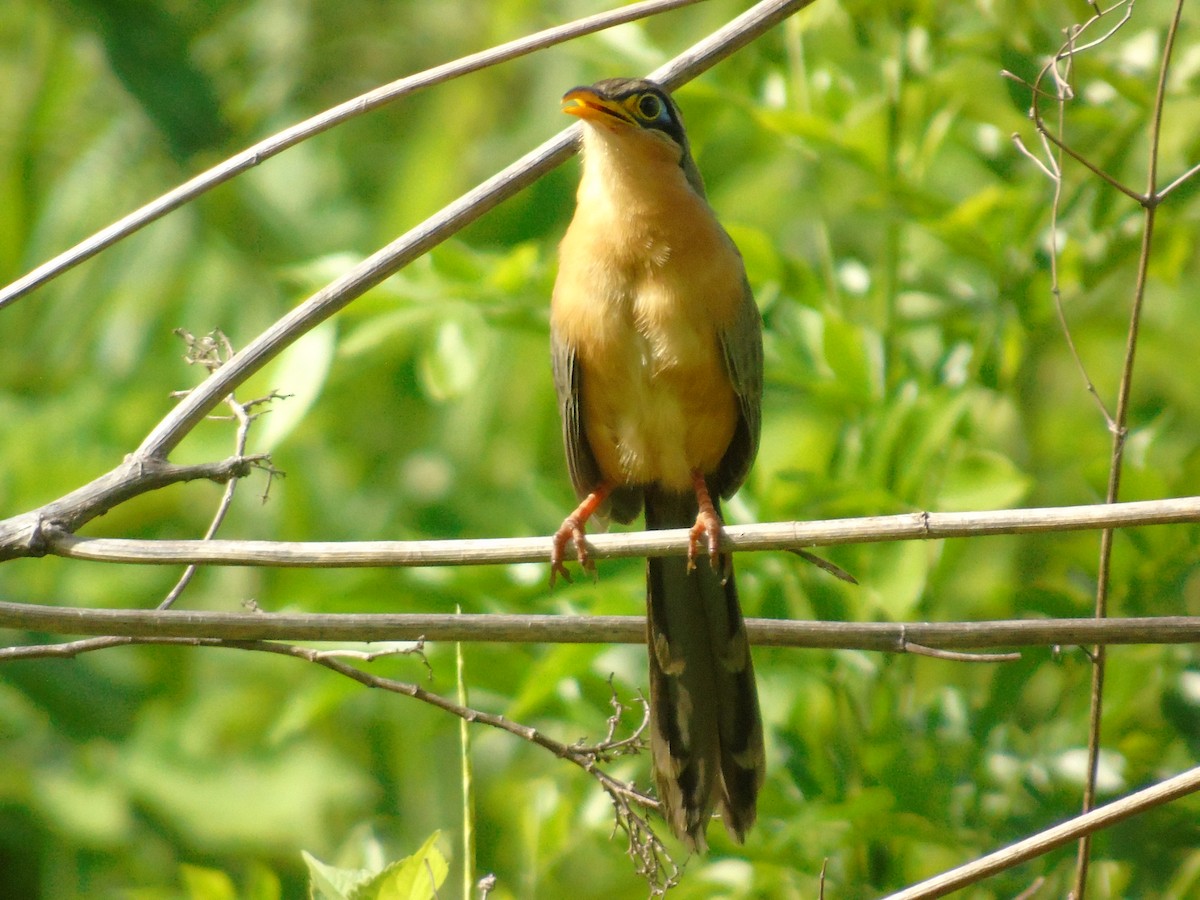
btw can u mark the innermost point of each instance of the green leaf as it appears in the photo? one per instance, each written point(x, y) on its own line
point(416, 877)
point(982, 479)
point(327, 882)
point(899, 574)
point(854, 354)
point(207, 884)
point(451, 365)
point(300, 372)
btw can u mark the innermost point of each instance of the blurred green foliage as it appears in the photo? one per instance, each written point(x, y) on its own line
point(898, 245)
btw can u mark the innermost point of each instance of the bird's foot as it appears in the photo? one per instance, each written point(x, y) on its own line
point(571, 531)
point(708, 526)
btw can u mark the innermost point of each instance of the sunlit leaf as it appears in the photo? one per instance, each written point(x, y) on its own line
point(300, 373)
point(207, 884)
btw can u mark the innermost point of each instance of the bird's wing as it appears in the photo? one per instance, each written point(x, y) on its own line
point(625, 501)
point(741, 344)
point(585, 474)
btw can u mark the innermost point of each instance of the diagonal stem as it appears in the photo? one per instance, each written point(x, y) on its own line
point(1119, 433)
point(289, 137)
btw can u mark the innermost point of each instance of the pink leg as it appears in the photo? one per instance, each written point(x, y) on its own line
point(708, 523)
point(572, 530)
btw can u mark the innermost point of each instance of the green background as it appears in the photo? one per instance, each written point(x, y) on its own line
point(898, 246)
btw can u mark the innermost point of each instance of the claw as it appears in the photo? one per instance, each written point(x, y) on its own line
point(557, 569)
point(572, 530)
point(708, 523)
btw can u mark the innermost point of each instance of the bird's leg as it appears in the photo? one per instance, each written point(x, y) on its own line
point(708, 524)
point(572, 530)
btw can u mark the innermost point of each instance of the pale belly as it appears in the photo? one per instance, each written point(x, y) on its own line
point(658, 404)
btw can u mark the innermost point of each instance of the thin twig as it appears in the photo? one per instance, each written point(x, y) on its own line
point(825, 566)
point(1100, 14)
point(1186, 176)
point(212, 354)
point(1091, 166)
point(1063, 92)
point(905, 645)
point(1119, 430)
point(651, 856)
point(72, 649)
point(583, 755)
point(957, 655)
point(1055, 209)
point(1032, 157)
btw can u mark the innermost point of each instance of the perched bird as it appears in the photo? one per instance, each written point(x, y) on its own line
point(657, 354)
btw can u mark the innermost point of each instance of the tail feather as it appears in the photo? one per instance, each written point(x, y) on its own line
point(706, 731)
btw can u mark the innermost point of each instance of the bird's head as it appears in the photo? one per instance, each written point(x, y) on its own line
point(636, 114)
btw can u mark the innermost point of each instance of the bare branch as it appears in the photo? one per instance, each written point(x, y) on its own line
point(30, 534)
point(788, 536)
point(1022, 851)
point(151, 626)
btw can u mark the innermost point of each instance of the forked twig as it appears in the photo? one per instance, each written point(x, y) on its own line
point(212, 351)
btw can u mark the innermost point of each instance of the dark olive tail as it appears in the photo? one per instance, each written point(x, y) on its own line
point(705, 732)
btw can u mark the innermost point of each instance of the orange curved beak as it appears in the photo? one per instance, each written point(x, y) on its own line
point(585, 103)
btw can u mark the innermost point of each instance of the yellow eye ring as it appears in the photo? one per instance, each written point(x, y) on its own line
point(649, 107)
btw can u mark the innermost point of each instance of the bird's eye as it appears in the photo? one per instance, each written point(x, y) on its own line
point(649, 107)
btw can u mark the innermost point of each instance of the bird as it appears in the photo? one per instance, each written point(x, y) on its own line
point(656, 349)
